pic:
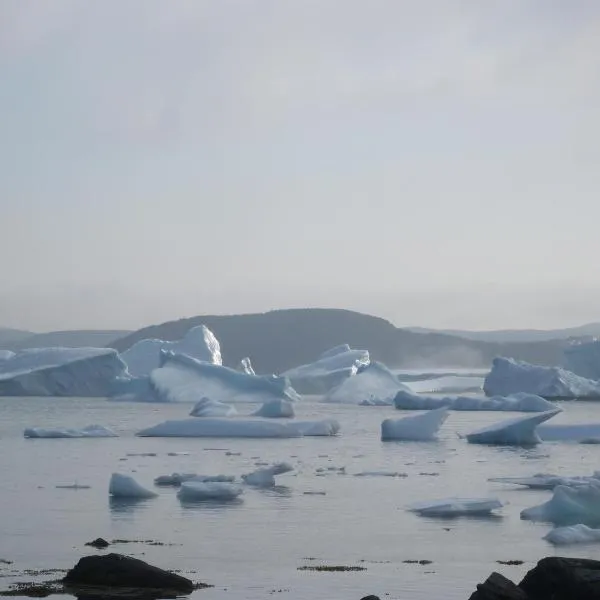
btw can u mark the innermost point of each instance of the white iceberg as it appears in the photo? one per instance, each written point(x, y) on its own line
point(124, 486)
point(516, 432)
point(509, 376)
point(91, 431)
point(519, 402)
point(265, 478)
point(569, 433)
point(455, 507)
point(212, 408)
point(568, 506)
point(422, 427)
point(185, 379)
point(73, 372)
point(275, 409)
point(547, 481)
point(575, 534)
point(330, 369)
point(199, 342)
point(245, 366)
point(583, 359)
point(208, 490)
point(373, 383)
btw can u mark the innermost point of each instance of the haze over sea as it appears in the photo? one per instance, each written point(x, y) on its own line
point(253, 548)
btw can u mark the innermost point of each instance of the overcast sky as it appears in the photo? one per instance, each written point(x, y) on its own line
point(434, 162)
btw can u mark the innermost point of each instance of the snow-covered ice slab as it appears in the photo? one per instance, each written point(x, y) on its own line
point(212, 408)
point(584, 359)
point(569, 433)
point(265, 478)
point(198, 490)
point(513, 432)
point(509, 376)
point(568, 506)
point(185, 379)
point(373, 383)
point(519, 402)
point(91, 431)
point(547, 481)
point(575, 534)
point(330, 369)
point(456, 507)
point(73, 372)
point(124, 486)
point(276, 409)
point(422, 427)
point(199, 342)
point(245, 366)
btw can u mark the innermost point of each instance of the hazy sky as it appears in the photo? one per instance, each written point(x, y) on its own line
point(435, 162)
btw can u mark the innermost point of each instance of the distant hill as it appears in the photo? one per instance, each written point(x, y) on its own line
point(67, 339)
point(519, 335)
point(280, 339)
point(10, 336)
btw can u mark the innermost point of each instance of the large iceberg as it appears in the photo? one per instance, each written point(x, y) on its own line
point(423, 427)
point(456, 507)
point(184, 379)
point(575, 534)
point(513, 432)
point(199, 342)
point(124, 486)
point(519, 402)
point(87, 372)
point(208, 490)
point(330, 369)
point(91, 431)
point(509, 376)
point(212, 408)
point(568, 506)
point(373, 383)
point(584, 359)
point(275, 409)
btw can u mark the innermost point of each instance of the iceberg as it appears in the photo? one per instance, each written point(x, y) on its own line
point(184, 379)
point(547, 481)
point(91, 431)
point(275, 409)
point(265, 478)
point(568, 506)
point(573, 433)
point(212, 408)
point(208, 490)
point(124, 486)
point(575, 534)
point(330, 369)
point(519, 402)
point(83, 372)
point(514, 432)
point(456, 507)
point(583, 359)
point(423, 427)
point(509, 376)
point(446, 384)
point(199, 342)
point(374, 383)
point(245, 366)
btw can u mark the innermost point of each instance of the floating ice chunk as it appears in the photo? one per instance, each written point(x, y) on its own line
point(91, 431)
point(181, 378)
point(575, 534)
point(174, 480)
point(124, 486)
point(330, 369)
point(584, 359)
point(326, 427)
point(199, 342)
point(212, 408)
point(380, 474)
point(519, 402)
point(373, 382)
point(84, 372)
point(513, 432)
point(275, 409)
point(421, 427)
point(198, 490)
point(245, 366)
point(546, 481)
point(225, 427)
point(509, 376)
point(573, 433)
point(454, 507)
point(213, 478)
point(266, 477)
point(568, 506)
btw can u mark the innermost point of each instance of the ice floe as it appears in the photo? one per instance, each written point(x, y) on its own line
point(547, 481)
point(455, 507)
point(91, 431)
point(574, 534)
point(125, 486)
point(208, 490)
point(212, 408)
point(276, 409)
point(223, 427)
point(446, 384)
point(380, 474)
point(265, 477)
point(422, 427)
point(324, 427)
point(516, 432)
point(176, 479)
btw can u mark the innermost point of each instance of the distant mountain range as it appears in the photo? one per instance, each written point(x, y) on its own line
point(16, 339)
point(280, 339)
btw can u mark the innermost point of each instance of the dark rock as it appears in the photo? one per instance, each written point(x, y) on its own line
point(563, 579)
point(98, 543)
point(116, 570)
point(370, 598)
point(498, 587)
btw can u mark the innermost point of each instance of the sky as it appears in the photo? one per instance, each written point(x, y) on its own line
point(434, 162)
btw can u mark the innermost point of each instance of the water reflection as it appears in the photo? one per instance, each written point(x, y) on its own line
point(126, 506)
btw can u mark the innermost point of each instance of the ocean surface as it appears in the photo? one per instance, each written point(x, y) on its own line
point(254, 548)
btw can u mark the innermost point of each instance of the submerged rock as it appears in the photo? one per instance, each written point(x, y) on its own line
point(98, 543)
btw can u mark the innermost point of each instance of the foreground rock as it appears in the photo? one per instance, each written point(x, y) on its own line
point(498, 587)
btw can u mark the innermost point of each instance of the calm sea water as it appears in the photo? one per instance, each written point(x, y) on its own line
point(253, 549)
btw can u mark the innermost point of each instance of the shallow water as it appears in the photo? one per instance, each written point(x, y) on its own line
point(252, 549)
